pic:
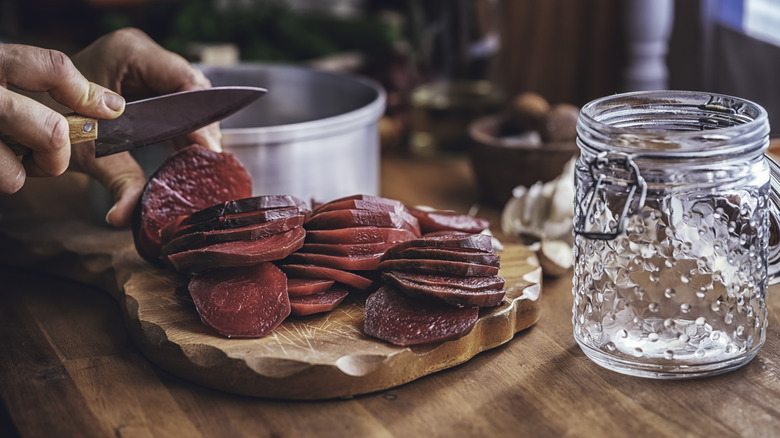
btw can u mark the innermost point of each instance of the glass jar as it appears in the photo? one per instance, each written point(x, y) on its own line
point(672, 233)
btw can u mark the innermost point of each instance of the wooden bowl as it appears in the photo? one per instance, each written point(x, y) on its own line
point(502, 162)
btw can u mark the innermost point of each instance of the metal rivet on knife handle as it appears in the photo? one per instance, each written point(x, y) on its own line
point(81, 128)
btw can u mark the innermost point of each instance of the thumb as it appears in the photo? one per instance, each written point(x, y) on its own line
point(35, 69)
point(90, 99)
point(85, 97)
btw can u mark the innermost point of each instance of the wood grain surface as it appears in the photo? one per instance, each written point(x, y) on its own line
point(69, 365)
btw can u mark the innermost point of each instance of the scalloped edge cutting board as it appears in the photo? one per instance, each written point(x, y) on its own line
point(314, 357)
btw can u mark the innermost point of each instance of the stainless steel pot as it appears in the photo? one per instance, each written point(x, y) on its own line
point(314, 135)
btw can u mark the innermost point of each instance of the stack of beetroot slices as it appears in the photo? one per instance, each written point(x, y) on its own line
point(190, 179)
point(434, 287)
point(252, 262)
point(345, 240)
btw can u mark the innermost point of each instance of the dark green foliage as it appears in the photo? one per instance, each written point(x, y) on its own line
point(263, 31)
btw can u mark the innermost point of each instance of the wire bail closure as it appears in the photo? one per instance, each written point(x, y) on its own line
point(773, 253)
point(612, 173)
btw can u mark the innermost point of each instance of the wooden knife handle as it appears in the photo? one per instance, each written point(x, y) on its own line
point(80, 129)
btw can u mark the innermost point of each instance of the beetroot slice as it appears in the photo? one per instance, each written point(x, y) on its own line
point(359, 197)
point(246, 205)
point(168, 230)
point(265, 202)
point(472, 283)
point(449, 294)
point(348, 263)
point(351, 279)
point(236, 220)
point(298, 287)
point(445, 233)
point(378, 204)
point(190, 179)
point(242, 302)
point(238, 253)
point(251, 232)
point(441, 267)
point(481, 242)
point(385, 205)
point(392, 316)
point(230, 222)
point(318, 303)
point(359, 235)
point(347, 249)
point(329, 220)
point(452, 254)
point(440, 220)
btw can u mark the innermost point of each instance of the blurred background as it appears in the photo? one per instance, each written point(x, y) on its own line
point(445, 64)
point(565, 50)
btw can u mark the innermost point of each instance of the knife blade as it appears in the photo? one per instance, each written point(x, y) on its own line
point(157, 119)
point(161, 118)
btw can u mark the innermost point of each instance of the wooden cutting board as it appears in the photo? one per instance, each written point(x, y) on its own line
point(313, 357)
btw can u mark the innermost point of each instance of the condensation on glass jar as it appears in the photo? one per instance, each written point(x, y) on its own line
point(673, 216)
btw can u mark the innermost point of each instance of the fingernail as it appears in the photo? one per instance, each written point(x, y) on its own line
point(113, 101)
point(108, 215)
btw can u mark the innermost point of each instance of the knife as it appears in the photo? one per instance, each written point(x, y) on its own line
point(157, 119)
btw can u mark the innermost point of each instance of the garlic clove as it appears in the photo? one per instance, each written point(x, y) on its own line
point(555, 257)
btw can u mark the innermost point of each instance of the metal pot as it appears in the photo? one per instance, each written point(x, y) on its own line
point(314, 135)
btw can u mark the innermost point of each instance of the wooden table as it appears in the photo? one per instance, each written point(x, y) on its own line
point(68, 368)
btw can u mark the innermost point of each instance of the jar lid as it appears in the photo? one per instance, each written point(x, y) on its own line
point(673, 124)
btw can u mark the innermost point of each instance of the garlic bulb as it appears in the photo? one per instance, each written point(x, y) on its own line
point(543, 211)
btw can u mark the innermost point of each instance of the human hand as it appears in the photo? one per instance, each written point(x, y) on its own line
point(41, 129)
point(132, 64)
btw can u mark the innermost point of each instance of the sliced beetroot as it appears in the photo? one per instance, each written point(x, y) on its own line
point(481, 242)
point(473, 283)
point(168, 231)
point(318, 303)
point(348, 263)
point(359, 235)
point(446, 233)
point(240, 219)
point(392, 316)
point(238, 253)
point(242, 302)
point(441, 267)
point(190, 179)
point(454, 254)
point(231, 221)
point(298, 287)
point(246, 205)
point(261, 230)
point(448, 293)
point(158, 205)
point(441, 220)
point(351, 279)
point(375, 204)
point(347, 249)
point(330, 220)
point(359, 197)
point(265, 202)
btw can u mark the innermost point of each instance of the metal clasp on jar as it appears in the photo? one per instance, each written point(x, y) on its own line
point(773, 253)
point(603, 211)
